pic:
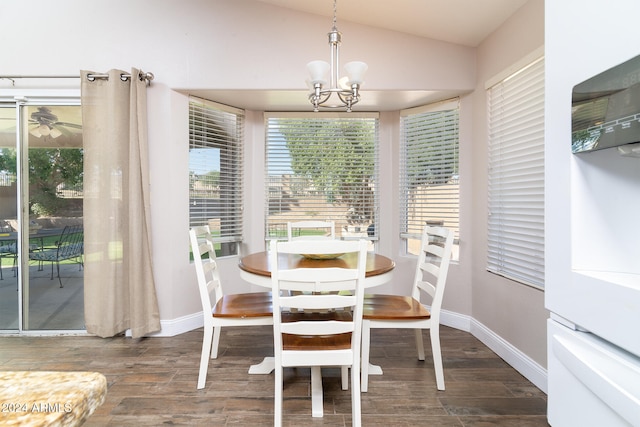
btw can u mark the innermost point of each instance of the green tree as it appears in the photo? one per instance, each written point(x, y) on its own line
point(8, 160)
point(337, 157)
point(48, 168)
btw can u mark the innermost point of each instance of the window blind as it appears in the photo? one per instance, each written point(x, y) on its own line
point(216, 134)
point(516, 176)
point(322, 167)
point(429, 175)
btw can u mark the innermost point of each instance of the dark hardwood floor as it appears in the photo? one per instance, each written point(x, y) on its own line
point(152, 382)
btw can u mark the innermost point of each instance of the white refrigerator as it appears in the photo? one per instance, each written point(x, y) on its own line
point(592, 284)
point(593, 365)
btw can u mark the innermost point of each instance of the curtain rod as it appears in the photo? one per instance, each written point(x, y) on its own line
point(142, 75)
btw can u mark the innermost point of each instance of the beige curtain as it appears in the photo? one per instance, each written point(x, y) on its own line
point(119, 288)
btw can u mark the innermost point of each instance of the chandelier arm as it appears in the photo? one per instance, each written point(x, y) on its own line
point(348, 98)
point(319, 99)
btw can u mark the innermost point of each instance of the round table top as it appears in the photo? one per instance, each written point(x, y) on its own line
point(258, 263)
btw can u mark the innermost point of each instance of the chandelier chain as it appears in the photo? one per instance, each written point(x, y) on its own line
point(335, 14)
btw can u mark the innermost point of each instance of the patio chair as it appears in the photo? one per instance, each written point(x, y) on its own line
point(8, 249)
point(407, 312)
point(70, 246)
point(320, 332)
point(220, 309)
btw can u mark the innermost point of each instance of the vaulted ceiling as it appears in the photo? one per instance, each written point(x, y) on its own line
point(462, 22)
point(465, 22)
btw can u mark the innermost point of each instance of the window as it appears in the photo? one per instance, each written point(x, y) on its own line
point(215, 171)
point(429, 188)
point(322, 167)
point(516, 176)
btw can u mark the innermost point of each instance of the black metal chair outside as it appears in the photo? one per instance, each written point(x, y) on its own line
point(69, 246)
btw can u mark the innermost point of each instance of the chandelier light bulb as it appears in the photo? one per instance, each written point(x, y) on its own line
point(344, 84)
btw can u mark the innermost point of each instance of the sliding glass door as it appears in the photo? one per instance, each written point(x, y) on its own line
point(9, 301)
point(42, 215)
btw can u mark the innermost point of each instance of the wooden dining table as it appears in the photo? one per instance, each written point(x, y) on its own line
point(256, 269)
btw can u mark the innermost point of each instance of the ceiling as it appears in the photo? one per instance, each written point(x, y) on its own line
point(464, 22)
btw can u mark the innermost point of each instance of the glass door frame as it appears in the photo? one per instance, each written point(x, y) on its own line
point(20, 100)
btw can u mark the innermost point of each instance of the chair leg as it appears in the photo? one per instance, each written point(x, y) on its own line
point(216, 342)
point(345, 377)
point(58, 268)
point(364, 362)
point(356, 407)
point(317, 406)
point(419, 344)
point(204, 357)
point(437, 357)
point(277, 398)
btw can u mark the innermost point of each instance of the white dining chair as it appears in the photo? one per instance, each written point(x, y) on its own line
point(407, 312)
point(320, 324)
point(330, 233)
point(220, 309)
point(327, 230)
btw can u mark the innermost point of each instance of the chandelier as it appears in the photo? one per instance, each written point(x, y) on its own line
point(346, 89)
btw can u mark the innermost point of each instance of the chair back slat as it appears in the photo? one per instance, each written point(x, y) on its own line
point(310, 302)
point(328, 327)
point(324, 280)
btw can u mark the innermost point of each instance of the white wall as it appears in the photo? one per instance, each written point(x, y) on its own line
point(511, 310)
point(242, 44)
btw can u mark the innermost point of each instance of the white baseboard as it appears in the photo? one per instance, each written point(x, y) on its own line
point(522, 363)
point(514, 357)
point(455, 320)
point(173, 327)
point(510, 354)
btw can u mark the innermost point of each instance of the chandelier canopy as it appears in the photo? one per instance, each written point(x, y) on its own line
point(346, 89)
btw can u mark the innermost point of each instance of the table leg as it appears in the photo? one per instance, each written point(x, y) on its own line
point(375, 369)
point(265, 367)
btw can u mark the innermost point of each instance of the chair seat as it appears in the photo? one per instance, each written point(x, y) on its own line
point(257, 304)
point(393, 307)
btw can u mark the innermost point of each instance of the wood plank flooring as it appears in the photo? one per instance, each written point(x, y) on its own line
point(152, 382)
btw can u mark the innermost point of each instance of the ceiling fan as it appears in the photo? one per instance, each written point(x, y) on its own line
point(44, 123)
